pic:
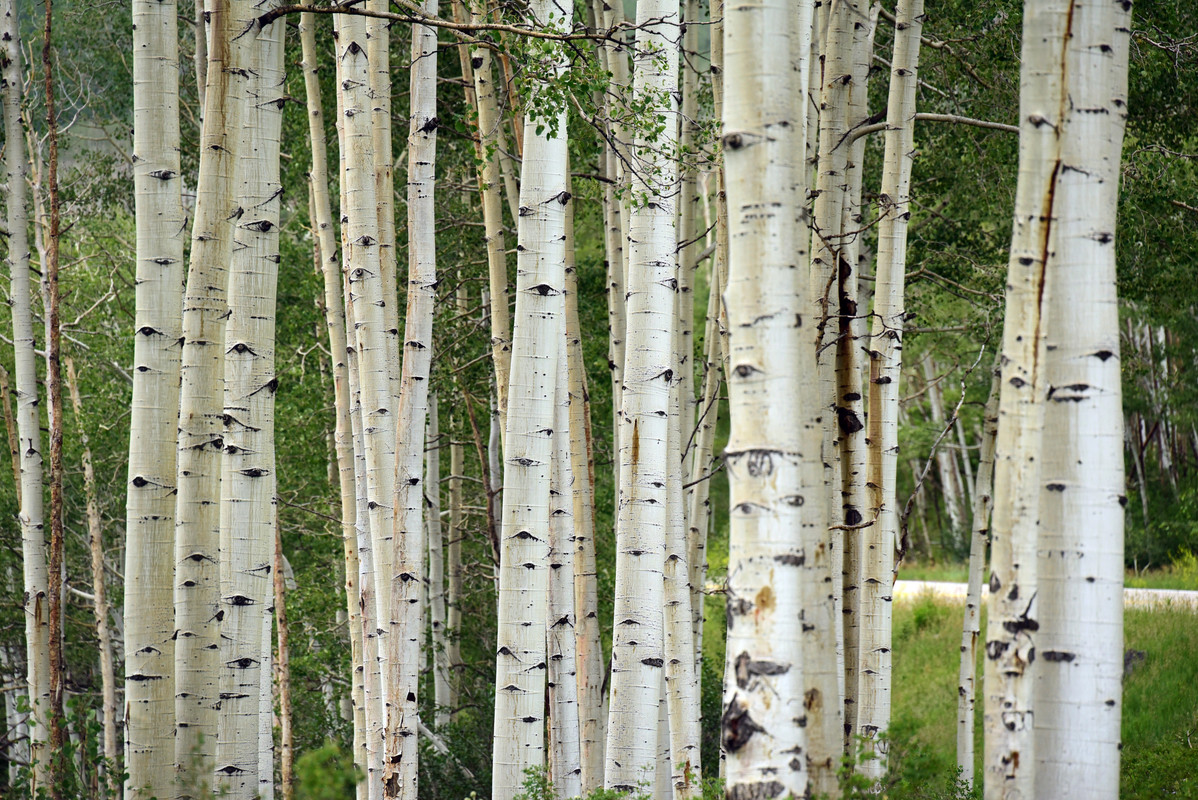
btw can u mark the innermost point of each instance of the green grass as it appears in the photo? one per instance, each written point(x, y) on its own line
point(1181, 575)
point(1160, 709)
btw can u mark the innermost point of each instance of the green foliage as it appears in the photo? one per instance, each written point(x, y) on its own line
point(325, 773)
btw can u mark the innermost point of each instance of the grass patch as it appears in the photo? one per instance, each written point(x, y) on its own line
point(1181, 575)
point(1160, 701)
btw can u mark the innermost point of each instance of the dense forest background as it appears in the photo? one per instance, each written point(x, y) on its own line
point(962, 195)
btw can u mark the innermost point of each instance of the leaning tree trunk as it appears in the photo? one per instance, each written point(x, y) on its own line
point(200, 431)
point(406, 633)
point(1013, 621)
point(247, 507)
point(983, 504)
point(637, 638)
point(153, 426)
point(95, 538)
point(524, 537)
point(1080, 642)
point(776, 480)
point(875, 569)
point(33, 541)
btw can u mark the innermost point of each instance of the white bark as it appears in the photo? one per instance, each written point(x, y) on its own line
point(33, 540)
point(1080, 641)
point(1013, 614)
point(200, 431)
point(649, 369)
point(406, 635)
point(877, 564)
point(436, 570)
point(950, 477)
point(775, 476)
point(983, 504)
point(527, 450)
point(247, 520)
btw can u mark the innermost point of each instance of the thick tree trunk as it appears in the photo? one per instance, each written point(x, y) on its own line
point(33, 541)
point(637, 637)
point(248, 511)
point(1013, 614)
point(1080, 642)
point(524, 536)
point(95, 537)
point(200, 431)
point(983, 504)
point(875, 571)
point(150, 512)
point(776, 480)
point(406, 636)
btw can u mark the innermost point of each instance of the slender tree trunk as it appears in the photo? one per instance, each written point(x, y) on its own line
point(200, 430)
point(436, 571)
point(983, 503)
point(453, 550)
point(248, 506)
point(57, 754)
point(877, 564)
point(286, 739)
point(407, 631)
point(775, 479)
point(950, 477)
point(1013, 615)
point(95, 536)
point(150, 512)
point(1080, 679)
point(637, 638)
point(524, 537)
point(565, 755)
point(33, 541)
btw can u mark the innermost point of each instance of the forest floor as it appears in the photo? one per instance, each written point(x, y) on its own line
point(1160, 701)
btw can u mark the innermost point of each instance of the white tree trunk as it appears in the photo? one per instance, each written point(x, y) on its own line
point(875, 577)
point(637, 637)
point(436, 570)
point(983, 504)
point(1013, 614)
point(33, 540)
point(1080, 642)
point(247, 520)
point(527, 450)
point(946, 463)
point(775, 477)
point(406, 636)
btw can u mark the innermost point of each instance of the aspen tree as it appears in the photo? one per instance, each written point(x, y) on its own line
point(407, 632)
point(528, 444)
point(247, 519)
point(95, 537)
point(33, 543)
point(637, 637)
point(951, 489)
point(1080, 582)
point(1013, 613)
point(436, 569)
point(775, 477)
point(200, 430)
point(150, 511)
point(334, 307)
point(453, 550)
point(588, 646)
point(875, 577)
point(286, 741)
point(565, 756)
point(983, 503)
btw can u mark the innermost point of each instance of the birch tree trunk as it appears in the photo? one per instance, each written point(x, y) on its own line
point(200, 430)
point(286, 739)
point(528, 451)
point(33, 541)
point(150, 511)
point(247, 518)
point(877, 564)
point(565, 755)
point(406, 634)
point(436, 571)
point(983, 504)
point(330, 267)
point(1013, 616)
point(776, 480)
point(1080, 642)
point(95, 536)
point(946, 467)
point(453, 601)
point(649, 369)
